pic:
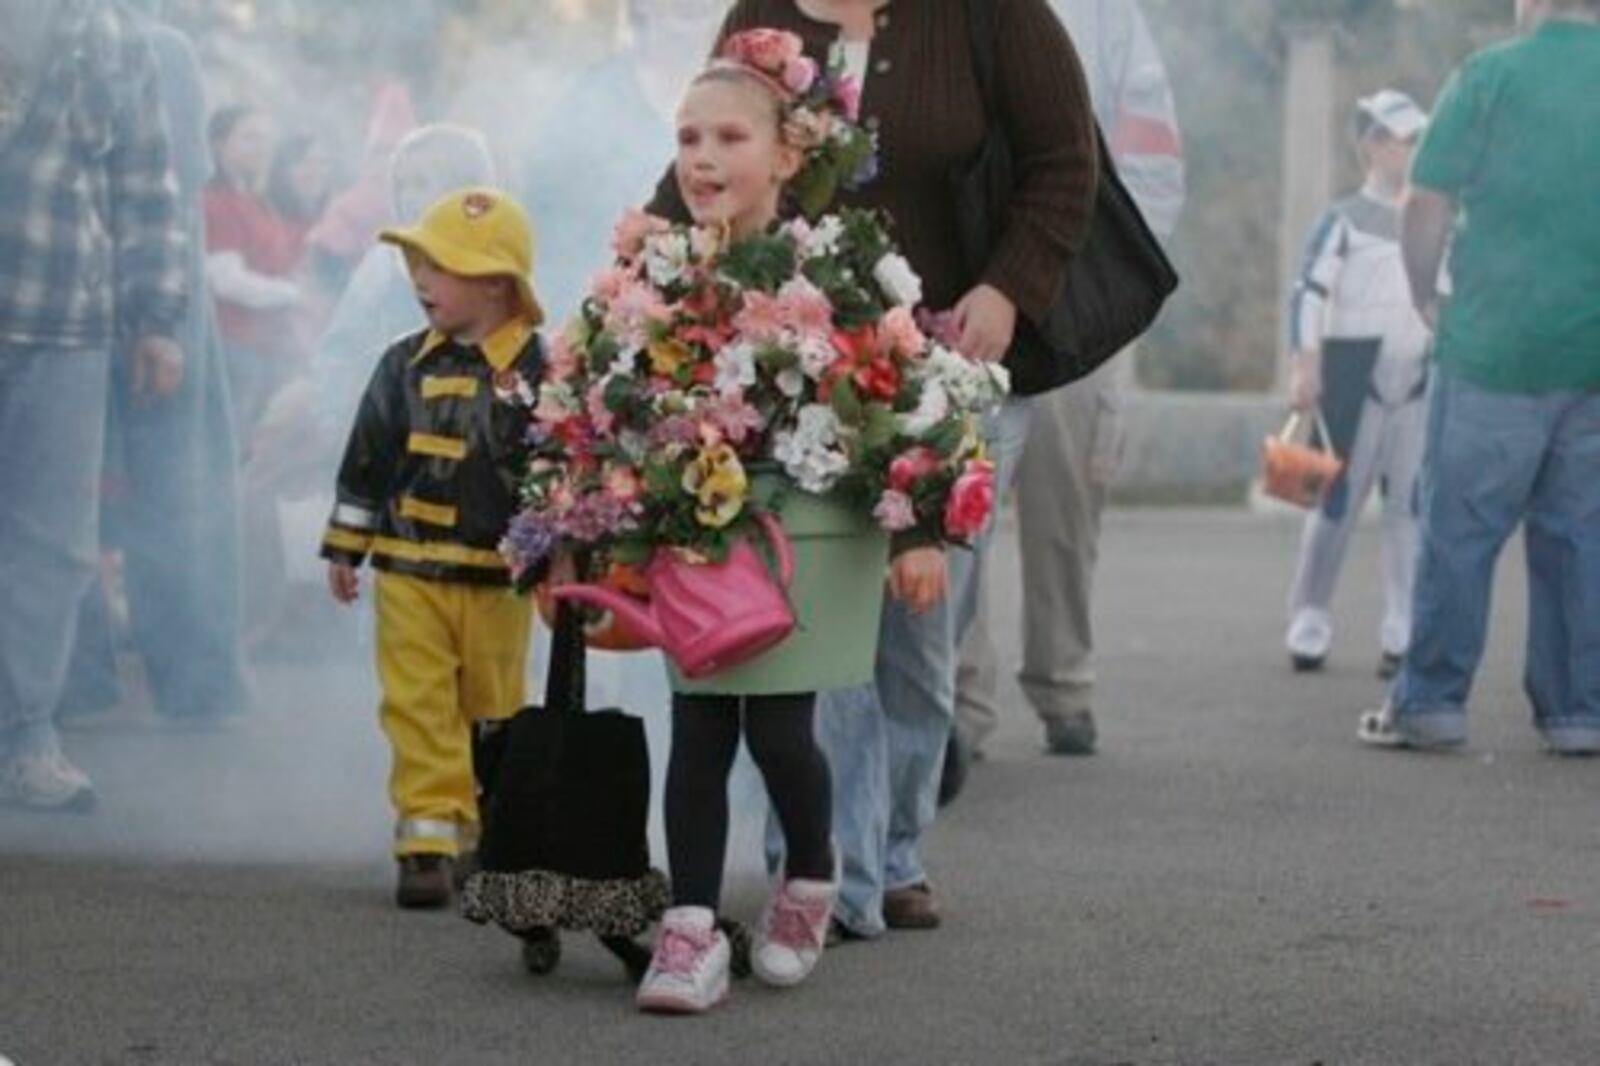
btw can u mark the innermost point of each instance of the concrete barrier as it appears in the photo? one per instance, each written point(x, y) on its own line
point(1193, 447)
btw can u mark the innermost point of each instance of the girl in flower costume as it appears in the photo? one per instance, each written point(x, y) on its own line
point(741, 365)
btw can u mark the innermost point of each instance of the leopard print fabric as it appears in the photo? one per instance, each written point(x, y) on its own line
point(540, 899)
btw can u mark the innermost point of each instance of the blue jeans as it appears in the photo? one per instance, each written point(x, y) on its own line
point(1494, 459)
point(885, 741)
point(52, 444)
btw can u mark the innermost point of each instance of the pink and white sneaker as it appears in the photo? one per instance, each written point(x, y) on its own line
point(794, 928)
point(689, 972)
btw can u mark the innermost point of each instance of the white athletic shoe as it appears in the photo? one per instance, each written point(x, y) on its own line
point(46, 782)
point(688, 973)
point(794, 929)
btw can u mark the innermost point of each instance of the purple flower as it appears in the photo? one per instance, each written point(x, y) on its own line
point(528, 541)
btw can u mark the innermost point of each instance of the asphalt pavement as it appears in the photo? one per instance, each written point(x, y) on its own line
point(1232, 879)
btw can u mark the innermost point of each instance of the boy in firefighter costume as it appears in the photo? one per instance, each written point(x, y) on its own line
point(1360, 354)
point(426, 489)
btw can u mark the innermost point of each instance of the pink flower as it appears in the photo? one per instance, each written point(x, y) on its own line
point(804, 308)
point(847, 94)
point(895, 511)
point(966, 512)
point(899, 333)
point(911, 467)
point(623, 483)
point(799, 74)
point(768, 50)
point(628, 238)
point(761, 319)
point(563, 361)
point(608, 283)
point(942, 326)
point(599, 415)
point(734, 419)
point(633, 309)
point(551, 408)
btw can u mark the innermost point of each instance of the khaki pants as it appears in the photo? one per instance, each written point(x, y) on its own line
point(1075, 444)
point(448, 654)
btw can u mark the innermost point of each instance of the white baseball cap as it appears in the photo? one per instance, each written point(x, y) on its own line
point(1392, 111)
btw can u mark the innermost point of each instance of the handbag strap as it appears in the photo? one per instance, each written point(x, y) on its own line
point(565, 680)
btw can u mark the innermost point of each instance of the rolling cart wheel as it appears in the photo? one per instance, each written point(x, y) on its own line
point(541, 951)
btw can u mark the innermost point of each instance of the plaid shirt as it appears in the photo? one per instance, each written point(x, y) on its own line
point(92, 246)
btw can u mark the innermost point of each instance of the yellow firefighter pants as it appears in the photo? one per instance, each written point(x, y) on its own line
point(449, 654)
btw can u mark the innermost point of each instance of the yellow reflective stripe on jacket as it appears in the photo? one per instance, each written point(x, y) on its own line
point(434, 388)
point(413, 551)
point(345, 541)
point(434, 514)
point(438, 447)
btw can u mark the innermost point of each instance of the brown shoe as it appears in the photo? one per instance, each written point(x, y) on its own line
point(424, 881)
point(912, 907)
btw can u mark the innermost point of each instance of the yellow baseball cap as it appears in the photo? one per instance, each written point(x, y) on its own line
point(476, 232)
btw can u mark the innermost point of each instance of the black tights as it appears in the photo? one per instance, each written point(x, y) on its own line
point(705, 738)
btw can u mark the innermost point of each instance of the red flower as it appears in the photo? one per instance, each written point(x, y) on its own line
point(879, 379)
point(911, 467)
point(971, 499)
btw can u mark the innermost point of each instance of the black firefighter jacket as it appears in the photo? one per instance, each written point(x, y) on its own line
point(429, 479)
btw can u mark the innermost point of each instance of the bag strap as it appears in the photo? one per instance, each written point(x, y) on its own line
point(564, 682)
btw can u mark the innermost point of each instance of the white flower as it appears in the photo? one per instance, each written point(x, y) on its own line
point(736, 369)
point(666, 258)
point(969, 384)
point(897, 280)
point(791, 382)
point(823, 240)
point(816, 356)
point(812, 453)
point(703, 242)
point(933, 406)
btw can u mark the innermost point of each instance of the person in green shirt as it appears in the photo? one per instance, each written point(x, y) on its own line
point(1506, 177)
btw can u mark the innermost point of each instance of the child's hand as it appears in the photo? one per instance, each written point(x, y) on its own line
point(1305, 382)
point(917, 578)
point(343, 582)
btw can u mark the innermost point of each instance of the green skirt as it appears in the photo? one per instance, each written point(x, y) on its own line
point(840, 557)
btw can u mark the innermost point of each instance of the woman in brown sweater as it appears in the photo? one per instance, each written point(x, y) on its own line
point(914, 58)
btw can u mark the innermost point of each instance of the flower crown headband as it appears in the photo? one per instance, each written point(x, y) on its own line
point(821, 113)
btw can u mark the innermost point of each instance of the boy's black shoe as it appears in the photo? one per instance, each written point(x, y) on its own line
point(424, 881)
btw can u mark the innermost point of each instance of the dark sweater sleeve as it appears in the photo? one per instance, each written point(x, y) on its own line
point(1044, 103)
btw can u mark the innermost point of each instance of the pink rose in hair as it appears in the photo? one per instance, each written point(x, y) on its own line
point(966, 512)
point(799, 75)
point(767, 50)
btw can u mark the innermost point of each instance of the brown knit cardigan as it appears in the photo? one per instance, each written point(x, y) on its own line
point(922, 97)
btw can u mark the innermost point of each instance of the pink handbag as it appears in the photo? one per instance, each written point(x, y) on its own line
point(709, 617)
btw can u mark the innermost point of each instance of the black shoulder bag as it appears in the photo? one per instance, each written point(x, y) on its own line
point(1110, 291)
point(565, 793)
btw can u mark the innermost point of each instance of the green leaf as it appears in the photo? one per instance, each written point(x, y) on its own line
point(847, 402)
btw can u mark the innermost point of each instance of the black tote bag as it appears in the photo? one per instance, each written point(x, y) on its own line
point(1111, 290)
point(565, 796)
